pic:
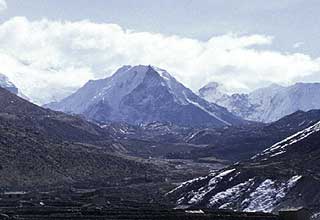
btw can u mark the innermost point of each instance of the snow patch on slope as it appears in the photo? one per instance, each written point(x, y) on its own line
point(185, 184)
point(268, 194)
point(198, 196)
point(250, 195)
point(280, 147)
point(163, 73)
point(226, 197)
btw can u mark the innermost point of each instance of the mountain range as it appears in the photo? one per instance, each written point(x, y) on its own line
point(144, 94)
point(265, 104)
point(141, 125)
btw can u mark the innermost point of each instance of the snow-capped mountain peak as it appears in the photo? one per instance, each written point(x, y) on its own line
point(143, 94)
point(213, 92)
point(7, 84)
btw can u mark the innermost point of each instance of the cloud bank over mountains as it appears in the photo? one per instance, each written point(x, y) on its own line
point(49, 59)
point(3, 5)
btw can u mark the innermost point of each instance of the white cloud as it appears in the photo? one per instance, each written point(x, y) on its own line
point(298, 44)
point(3, 5)
point(47, 59)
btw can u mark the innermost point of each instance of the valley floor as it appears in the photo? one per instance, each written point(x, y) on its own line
point(103, 204)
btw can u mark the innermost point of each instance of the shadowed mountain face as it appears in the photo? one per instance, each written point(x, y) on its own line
point(266, 104)
point(239, 143)
point(43, 148)
point(284, 175)
point(228, 144)
point(23, 114)
point(144, 94)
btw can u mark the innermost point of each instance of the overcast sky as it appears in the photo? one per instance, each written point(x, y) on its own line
point(48, 48)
